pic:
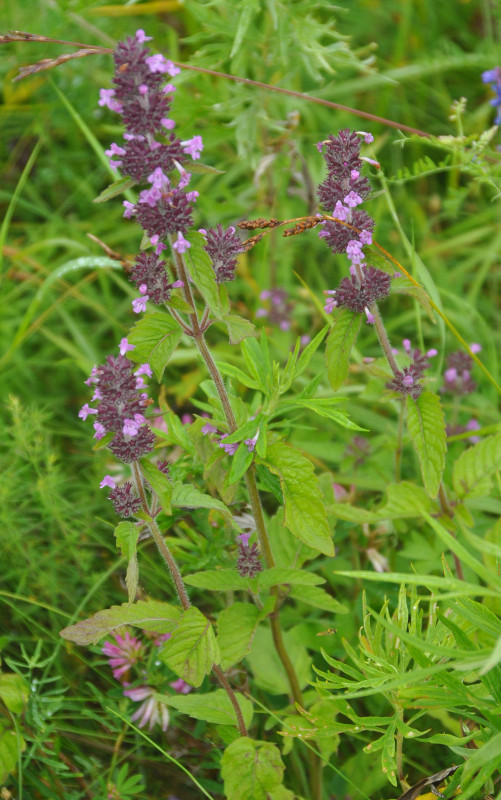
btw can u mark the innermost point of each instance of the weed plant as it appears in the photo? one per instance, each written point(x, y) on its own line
point(296, 414)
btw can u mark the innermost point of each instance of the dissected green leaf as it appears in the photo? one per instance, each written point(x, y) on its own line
point(236, 625)
point(155, 338)
point(214, 707)
point(149, 615)
point(473, 469)
point(305, 515)
point(481, 764)
point(192, 649)
point(251, 769)
point(340, 342)
point(126, 534)
point(426, 424)
point(160, 484)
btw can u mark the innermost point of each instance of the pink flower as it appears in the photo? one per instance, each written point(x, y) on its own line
point(181, 244)
point(158, 63)
point(151, 710)
point(193, 147)
point(181, 687)
point(125, 346)
point(86, 410)
point(124, 654)
point(107, 481)
point(144, 369)
point(141, 36)
point(139, 304)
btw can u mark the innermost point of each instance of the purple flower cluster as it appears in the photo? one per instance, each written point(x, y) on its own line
point(406, 381)
point(280, 310)
point(121, 401)
point(223, 247)
point(149, 272)
point(248, 560)
point(230, 448)
point(493, 76)
point(457, 376)
point(359, 291)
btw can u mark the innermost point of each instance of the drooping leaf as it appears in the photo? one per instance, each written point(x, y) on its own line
point(155, 338)
point(325, 407)
point(472, 471)
point(305, 514)
point(217, 580)
point(186, 496)
point(126, 534)
point(238, 374)
point(149, 615)
point(426, 425)
point(251, 769)
point(214, 707)
point(236, 625)
point(340, 343)
point(192, 649)
point(160, 484)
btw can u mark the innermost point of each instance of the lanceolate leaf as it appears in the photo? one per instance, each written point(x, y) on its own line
point(192, 649)
point(305, 515)
point(426, 424)
point(186, 496)
point(114, 189)
point(155, 337)
point(340, 343)
point(251, 769)
point(472, 470)
point(160, 484)
point(149, 615)
point(217, 580)
point(236, 626)
point(202, 272)
point(295, 577)
point(319, 598)
point(126, 535)
point(214, 707)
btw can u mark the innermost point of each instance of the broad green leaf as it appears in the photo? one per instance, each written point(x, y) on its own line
point(239, 328)
point(251, 769)
point(155, 338)
point(236, 625)
point(340, 343)
point(319, 598)
point(126, 534)
point(472, 471)
point(269, 673)
point(324, 407)
point(202, 272)
point(187, 496)
point(403, 500)
point(13, 691)
point(192, 649)
point(149, 615)
point(426, 425)
point(115, 188)
point(212, 707)
point(305, 515)
point(160, 484)
point(295, 577)
point(9, 752)
point(240, 463)
point(217, 580)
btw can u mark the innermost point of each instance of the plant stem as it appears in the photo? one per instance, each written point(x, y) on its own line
point(383, 338)
point(218, 672)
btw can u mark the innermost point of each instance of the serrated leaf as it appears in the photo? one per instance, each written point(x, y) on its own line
point(403, 500)
point(319, 598)
point(472, 471)
point(214, 707)
point(239, 328)
point(236, 625)
point(160, 484)
point(149, 615)
point(280, 575)
point(218, 580)
point(192, 649)
point(305, 515)
point(13, 691)
point(251, 769)
point(126, 534)
point(203, 275)
point(426, 425)
point(155, 338)
point(187, 496)
point(240, 463)
point(115, 188)
point(340, 343)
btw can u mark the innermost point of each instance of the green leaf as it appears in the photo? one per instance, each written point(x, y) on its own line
point(340, 343)
point(205, 169)
point(214, 707)
point(295, 577)
point(160, 484)
point(115, 188)
point(192, 649)
point(305, 515)
point(155, 337)
point(404, 285)
point(268, 670)
point(319, 598)
point(258, 362)
point(187, 496)
point(217, 580)
point(13, 692)
point(269, 482)
point(236, 625)
point(426, 424)
point(472, 472)
point(247, 12)
point(251, 769)
point(484, 761)
point(239, 328)
point(240, 463)
point(203, 275)
point(308, 352)
point(149, 615)
point(403, 500)
point(324, 408)
point(238, 374)
point(9, 752)
point(126, 534)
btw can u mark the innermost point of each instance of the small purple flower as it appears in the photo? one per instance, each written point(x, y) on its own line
point(457, 376)
point(358, 294)
point(229, 447)
point(406, 381)
point(86, 410)
point(280, 309)
point(107, 481)
point(493, 76)
point(251, 443)
point(181, 244)
point(144, 369)
point(100, 430)
point(125, 346)
point(244, 537)
point(139, 304)
point(193, 147)
point(208, 428)
point(151, 711)
point(124, 654)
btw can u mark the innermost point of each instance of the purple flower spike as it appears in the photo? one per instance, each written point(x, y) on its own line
point(248, 561)
point(223, 247)
point(357, 295)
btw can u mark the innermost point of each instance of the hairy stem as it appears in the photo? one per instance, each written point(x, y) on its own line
point(383, 338)
point(218, 672)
